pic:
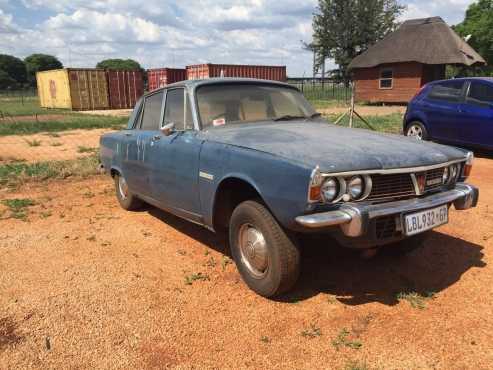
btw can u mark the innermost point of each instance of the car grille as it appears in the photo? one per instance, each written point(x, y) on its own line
point(385, 227)
point(391, 186)
point(400, 186)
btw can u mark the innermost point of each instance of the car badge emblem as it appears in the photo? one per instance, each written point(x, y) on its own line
point(421, 182)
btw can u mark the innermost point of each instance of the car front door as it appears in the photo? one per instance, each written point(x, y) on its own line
point(137, 170)
point(477, 128)
point(442, 108)
point(174, 159)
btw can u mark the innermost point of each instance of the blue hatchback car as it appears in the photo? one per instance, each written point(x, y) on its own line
point(458, 111)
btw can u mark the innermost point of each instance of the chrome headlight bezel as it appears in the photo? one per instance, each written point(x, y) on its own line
point(355, 187)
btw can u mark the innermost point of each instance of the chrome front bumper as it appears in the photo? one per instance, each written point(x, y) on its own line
point(354, 218)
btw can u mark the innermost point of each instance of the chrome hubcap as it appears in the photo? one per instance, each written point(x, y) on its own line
point(415, 131)
point(122, 187)
point(253, 248)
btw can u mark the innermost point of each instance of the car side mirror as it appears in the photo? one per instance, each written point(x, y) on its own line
point(168, 129)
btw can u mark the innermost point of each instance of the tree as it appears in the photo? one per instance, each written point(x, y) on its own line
point(127, 64)
point(343, 29)
point(13, 67)
point(479, 24)
point(6, 82)
point(40, 62)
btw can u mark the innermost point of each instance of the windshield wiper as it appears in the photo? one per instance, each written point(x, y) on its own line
point(288, 117)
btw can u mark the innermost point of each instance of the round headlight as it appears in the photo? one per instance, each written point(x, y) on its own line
point(446, 175)
point(330, 189)
point(355, 187)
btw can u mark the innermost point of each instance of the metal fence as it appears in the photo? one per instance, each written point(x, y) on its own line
point(323, 90)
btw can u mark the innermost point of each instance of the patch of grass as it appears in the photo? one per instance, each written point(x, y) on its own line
point(52, 134)
point(18, 207)
point(225, 261)
point(343, 339)
point(355, 365)
point(33, 142)
point(56, 144)
point(211, 262)
point(416, 300)
point(14, 174)
point(24, 106)
point(70, 122)
point(390, 123)
point(311, 332)
point(45, 214)
point(189, 279)
point(86, 149)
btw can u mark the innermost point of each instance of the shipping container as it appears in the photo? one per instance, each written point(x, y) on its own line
point(124, 88)
point(160, 77)
point(203, 71)
point(73, 88)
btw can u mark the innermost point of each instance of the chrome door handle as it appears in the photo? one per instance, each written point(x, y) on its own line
point(128, 134)
point(156, 137)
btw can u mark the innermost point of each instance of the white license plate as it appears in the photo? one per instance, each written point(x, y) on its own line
point(416, 223)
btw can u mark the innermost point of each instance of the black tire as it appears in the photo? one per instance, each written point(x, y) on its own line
point(406, 246)
point(414, 127)
point(127, 200)
point(281, 252)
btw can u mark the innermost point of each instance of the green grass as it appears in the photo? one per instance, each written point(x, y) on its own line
point(189, 279)
point(18, 207)
point(86, 149)
point(71, 122)
point(390, 123)
point(14, 174)
point(16, 106)
point(33, 142)
point(342, 340)
point(416, 300)
point(311, 332)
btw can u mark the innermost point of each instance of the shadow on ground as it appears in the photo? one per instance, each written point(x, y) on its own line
point(331, 269)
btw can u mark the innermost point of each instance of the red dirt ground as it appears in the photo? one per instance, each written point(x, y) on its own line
point(84, 284)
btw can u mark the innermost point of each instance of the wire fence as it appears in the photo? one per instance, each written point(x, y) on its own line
point(323, 90)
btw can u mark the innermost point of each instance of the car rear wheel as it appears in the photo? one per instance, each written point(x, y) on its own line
point(127, 200)
point(418, 130)
point(267, 258)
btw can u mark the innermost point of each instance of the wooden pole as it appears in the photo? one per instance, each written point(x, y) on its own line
point(351, 112)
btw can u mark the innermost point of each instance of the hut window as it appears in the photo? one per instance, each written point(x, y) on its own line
point(386, 78)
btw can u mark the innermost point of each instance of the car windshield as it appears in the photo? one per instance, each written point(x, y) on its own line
point(225, 104)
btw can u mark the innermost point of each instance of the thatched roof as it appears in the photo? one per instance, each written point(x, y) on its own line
point(428, 41)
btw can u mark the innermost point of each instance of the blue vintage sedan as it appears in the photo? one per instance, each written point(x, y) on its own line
point(458, 112)
point(254, 159)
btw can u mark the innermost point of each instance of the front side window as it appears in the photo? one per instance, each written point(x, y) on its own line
point(480, 93)
point(178, 110)
point(224, 104)
point(152, 112)
point(386, 78)
point(450, 91)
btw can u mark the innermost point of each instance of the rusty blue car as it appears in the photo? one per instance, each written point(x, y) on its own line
point(254, 159)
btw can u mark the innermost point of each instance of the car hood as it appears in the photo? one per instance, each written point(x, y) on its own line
point(333, 148)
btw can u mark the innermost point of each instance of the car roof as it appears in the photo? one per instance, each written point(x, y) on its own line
point(193, 84)
point(486, 79)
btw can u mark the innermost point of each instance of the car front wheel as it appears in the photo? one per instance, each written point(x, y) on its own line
point(267, 259)
point(418, 130)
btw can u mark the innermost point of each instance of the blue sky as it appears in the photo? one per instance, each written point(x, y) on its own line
point(165, 33)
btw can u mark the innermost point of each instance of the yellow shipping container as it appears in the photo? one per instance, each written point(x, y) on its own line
point(73, 88)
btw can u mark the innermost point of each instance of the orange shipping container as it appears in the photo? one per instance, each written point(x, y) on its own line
point(203, 71)
point(124, 88)
point(160, 77)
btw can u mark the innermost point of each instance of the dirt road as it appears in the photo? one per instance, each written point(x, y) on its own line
point(84, 284)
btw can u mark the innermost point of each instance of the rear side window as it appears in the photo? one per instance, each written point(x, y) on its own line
point(480, 93)
point(450, 91)
point(152, 112)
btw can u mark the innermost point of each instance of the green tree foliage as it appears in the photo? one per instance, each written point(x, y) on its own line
point(14, 70)
point(40, 62)
point(6, 81)
point(479, 24)
point(127, 64)
point(343, 29)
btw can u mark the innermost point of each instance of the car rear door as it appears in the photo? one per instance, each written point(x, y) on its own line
point(442, 109)
point(477, 127)
point(175, 159)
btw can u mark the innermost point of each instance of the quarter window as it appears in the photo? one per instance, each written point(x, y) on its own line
point(480, 93)
point(152, 112)
point(386, 78)
point(450, 91)
point(178, 110)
